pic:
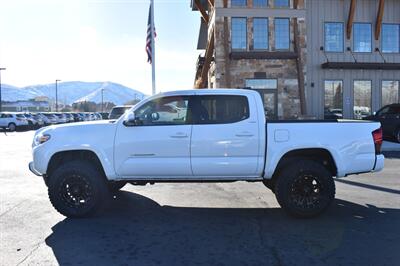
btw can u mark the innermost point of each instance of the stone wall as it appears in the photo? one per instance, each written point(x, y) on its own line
point(229, 73)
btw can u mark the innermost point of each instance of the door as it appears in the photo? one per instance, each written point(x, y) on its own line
point(225, 136)
point(4, 120)
point(389, 117)
point(159, 142)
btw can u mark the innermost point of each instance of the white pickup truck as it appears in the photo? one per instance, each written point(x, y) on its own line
point(203, 136)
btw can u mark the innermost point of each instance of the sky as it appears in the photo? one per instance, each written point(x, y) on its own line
point(97, 40)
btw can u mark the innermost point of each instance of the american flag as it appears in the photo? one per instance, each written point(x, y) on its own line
point(148, 39)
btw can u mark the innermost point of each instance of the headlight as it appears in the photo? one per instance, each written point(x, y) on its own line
point(40, 139)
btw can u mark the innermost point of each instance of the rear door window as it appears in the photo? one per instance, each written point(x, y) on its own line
point(219, 109)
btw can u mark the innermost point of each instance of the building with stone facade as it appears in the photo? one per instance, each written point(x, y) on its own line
point(306, 58)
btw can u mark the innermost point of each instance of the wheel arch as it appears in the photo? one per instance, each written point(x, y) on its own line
point(321, 155)
point(62, 157)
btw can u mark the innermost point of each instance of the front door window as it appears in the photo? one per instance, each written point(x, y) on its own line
point(362, 98)
point(333, 108)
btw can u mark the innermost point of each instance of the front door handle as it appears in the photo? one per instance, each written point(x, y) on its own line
point(244, 134)
point(179, 135)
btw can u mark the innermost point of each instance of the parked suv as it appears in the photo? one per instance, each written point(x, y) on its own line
point(13, 121)
point(389, 116)
point(117, 111)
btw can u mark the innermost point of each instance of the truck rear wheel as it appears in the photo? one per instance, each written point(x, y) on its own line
point(76, 189)
point(305, 188)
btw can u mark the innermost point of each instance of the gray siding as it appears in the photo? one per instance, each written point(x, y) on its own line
point(320, 11)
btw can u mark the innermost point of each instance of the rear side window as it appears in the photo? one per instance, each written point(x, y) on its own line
point(219, 109)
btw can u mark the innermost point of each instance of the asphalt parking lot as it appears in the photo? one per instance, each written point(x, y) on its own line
point(197, 224)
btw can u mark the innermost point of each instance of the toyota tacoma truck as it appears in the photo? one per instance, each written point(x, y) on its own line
point(203, 136)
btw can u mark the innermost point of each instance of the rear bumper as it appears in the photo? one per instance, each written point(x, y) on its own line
point(379, 163)
point(33, 170)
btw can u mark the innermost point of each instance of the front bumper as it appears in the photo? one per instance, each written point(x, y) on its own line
point(379, 163)
point(33, 170)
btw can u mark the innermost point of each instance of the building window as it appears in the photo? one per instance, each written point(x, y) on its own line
point(390, 38)
point(362, 37)
point(281, 3)
point(260, 33)
point(390, 92)
point(268, 92)
point(362, 98)
point(262, 83)
point(239, 34)
point(282, 34)
point(260, 3)
point(333, 37)
point(239, 3)
point(333, 108)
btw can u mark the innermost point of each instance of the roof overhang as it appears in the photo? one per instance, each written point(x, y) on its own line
point(361, 65)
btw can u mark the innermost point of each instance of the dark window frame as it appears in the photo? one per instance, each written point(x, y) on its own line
point(371, 88)
point(244, 5)
point(267, 31)
point(334, 80)
point(261, 6)
point(381, 90)
point(246, 35)
point(371, 37)
point(284, 6)
point(381, 41)
point(195, 98)
point(343, 36)
point(275, 39)
point(188, 120)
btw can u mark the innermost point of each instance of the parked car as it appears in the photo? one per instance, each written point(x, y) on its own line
point(45, 119)
point(218, 136)
point(53, 119)
point(117, 111)
point(389, 116)
point(104, 116)
point(39, 119)
point(77, 117)
point(61, 118)
point(33, 123)
point(12, 121)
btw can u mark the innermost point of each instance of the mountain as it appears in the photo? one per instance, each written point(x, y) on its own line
point(74, 91)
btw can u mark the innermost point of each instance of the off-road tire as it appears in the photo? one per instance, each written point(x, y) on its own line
point(84, 177)
point(297, 195)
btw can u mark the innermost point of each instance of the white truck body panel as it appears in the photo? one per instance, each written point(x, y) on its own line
point(237, 151)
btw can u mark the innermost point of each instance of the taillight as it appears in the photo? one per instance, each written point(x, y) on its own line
point(377, 135)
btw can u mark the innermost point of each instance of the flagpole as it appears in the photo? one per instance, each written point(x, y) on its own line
point(153, 51)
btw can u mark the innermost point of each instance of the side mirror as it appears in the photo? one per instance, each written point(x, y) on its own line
point(130, 120)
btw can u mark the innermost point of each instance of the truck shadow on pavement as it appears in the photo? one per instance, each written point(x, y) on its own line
point(135, 230)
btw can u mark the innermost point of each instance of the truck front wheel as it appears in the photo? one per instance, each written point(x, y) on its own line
point(76, 189)
point(305, 188)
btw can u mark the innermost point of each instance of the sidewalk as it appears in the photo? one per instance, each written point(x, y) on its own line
point(390, 146)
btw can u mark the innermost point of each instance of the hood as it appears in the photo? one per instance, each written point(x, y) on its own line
point(80, 132)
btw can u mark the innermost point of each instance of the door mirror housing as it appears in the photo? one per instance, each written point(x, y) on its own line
point(130, 120)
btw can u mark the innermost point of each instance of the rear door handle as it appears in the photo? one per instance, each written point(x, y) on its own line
point(179, 135)
point(244, 134)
